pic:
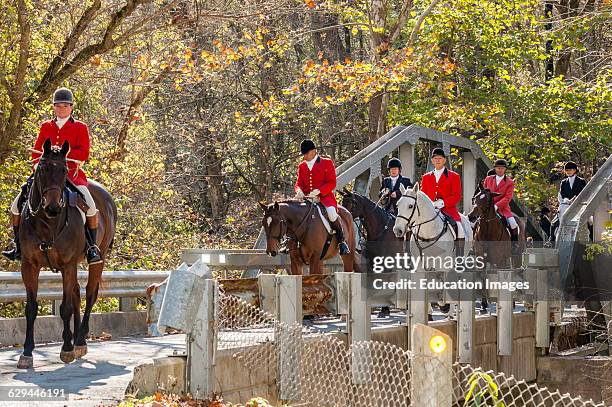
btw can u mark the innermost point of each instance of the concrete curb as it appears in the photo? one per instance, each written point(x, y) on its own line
point(48, 328)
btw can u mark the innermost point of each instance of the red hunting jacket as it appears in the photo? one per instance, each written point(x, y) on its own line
point(448, 189)
point(77, 135)
point(506, 189)
point(322, 177)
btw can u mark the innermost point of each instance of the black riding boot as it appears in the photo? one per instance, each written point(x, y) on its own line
point(514, 239)
point(459, 247)
point(93, 252)
point(14, 254)
point(337, 226)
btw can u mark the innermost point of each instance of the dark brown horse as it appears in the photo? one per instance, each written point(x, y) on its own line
point(491, 237)
point(49, 222)
point(377, 222)
point(378, 225)
point(301, 222)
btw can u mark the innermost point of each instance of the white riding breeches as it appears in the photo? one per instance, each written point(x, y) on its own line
point(332, 213)
point(460, 231)
point(14, 207)
point(512, 222)
point(92, 211)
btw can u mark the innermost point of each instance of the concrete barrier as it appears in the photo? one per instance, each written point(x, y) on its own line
point(48, 328)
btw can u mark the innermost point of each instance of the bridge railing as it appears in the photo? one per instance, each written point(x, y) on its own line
point(127, 285)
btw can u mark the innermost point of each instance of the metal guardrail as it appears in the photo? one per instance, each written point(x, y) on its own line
point(123, 283)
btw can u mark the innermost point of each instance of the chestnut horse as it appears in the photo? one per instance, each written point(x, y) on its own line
point(301, 222)
point(491, 237)
point(52, 235)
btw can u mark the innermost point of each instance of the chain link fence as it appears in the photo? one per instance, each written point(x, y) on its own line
point(320, 369)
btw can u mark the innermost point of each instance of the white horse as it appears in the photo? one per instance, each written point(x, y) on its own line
point(415, 211)
point(432, 235)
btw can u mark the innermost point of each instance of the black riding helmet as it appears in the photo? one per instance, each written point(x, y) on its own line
point(570, 165)
point(63, 95)
point(438, 151)
point(306, 146)
point(394, 163)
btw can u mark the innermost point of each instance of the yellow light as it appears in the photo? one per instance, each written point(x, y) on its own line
point(437, 344)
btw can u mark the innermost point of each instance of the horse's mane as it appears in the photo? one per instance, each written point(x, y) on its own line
point(377, 207)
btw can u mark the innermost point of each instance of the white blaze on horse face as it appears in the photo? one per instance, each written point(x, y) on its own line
point(269, 220)
point(481, 196)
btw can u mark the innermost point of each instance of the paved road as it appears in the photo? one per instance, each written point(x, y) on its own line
point(98, 379)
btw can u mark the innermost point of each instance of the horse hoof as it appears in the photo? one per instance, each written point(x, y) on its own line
point(67, 357)
point(25, 362)
point(80, 351)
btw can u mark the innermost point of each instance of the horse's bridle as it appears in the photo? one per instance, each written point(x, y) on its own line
point(370, 212)
point(46, 246)
point(410, 225)
point(58, 188)
point(283, 223)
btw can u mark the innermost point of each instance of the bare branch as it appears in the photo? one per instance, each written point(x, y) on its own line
point(107, 43)
point(71, 41)
point(417, 26)
point(401, 20)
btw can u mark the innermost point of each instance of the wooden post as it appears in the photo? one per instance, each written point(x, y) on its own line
point(201, 345)
point(469, 180)
point(267, 293)
point(465, 323)
point(406, 156)
point(418, 306)
point(541, 311)
point(343, 292)
point(359, 329)
point(504, 316)
point(431, 384)
point(127, 304)
point(55, 304)
point(289, 315)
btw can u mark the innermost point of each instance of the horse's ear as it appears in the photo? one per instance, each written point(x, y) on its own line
point(263, 205)
point(342, 193)
point(402, 189)
point(346, 191)
point(65, 148)
point(416, 187)
point(47, 146)
point(276, 206)
point(481, 185)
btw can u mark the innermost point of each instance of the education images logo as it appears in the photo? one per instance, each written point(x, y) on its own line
point(453, 264)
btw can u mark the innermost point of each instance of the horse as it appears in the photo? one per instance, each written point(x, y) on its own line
point(378, 224)
point(52, 235)
point(491, 237)
point(432, 235)
point(416, 212)
point(301, 222)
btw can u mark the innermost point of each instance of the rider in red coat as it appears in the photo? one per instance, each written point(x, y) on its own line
point(77, 135)
point(63, 128)
point(504, 186)
point(442, 186)
point(317, 180)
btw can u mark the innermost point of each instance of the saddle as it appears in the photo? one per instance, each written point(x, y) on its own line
point(75, 198)
point(452, 222)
